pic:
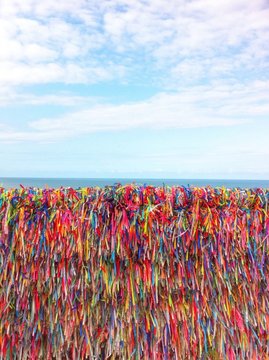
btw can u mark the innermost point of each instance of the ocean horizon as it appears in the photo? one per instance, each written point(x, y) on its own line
point(16, 182)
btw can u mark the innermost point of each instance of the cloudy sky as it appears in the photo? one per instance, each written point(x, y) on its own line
point(134, 88)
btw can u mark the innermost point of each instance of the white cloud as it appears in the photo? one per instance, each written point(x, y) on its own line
point(17, 136)
point(197, 106)
point(69, 73)
point(50, 43)
point(90, 41)
point(163, 111)
point(8, 98)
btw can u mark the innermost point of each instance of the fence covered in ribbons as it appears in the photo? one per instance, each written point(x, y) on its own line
point(134, 272)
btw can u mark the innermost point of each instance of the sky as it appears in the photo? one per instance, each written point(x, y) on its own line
point(134, 88)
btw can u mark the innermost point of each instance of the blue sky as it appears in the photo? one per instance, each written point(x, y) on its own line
point(136, 88)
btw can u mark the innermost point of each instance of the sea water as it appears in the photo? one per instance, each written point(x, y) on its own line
point(8, 182)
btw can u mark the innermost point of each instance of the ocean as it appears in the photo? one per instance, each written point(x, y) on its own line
point(8, 182)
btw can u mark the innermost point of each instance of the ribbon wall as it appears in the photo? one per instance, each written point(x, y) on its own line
point(134, 272)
